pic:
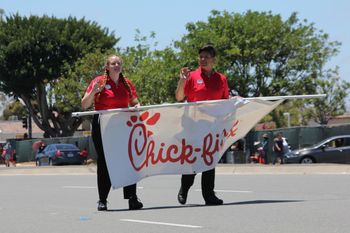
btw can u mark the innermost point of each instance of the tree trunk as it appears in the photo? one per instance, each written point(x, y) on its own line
point(53, 123)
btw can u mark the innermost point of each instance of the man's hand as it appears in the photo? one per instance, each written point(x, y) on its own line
point(184, 73)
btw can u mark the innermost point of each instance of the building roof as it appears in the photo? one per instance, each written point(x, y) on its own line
point(343, 119)
point(16, 127)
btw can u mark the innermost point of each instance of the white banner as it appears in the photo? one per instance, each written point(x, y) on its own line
point(174, 139)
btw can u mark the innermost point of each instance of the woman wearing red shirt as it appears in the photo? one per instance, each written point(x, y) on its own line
point(112, 90)
point(202, 84)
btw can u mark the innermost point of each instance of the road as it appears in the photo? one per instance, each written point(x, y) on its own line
point(288, 199)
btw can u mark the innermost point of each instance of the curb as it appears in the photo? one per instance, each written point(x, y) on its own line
point(221, 169)
point(284, 169)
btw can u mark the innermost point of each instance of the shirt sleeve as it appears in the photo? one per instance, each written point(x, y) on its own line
point(225, 94)
point(188, 86)
point(88, 89)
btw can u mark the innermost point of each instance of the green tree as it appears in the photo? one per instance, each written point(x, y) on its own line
point(34, 53)
point(15, 108)
point(153, 72)
point(2, 12)
point(321, 110)
point(263, 55)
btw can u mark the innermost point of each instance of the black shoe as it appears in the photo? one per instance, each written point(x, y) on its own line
point(134, 203)
point(213, 200)
point(102, 206)
point(182, 196)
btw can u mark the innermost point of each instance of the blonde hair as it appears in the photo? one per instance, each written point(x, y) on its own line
point(106, 74)
point(121, 76)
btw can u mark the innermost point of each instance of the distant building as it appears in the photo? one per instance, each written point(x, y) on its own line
point(14, 129)
point(265, 126)
point(337, 120)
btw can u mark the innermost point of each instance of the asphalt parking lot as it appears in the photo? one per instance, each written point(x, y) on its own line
point(257, 198)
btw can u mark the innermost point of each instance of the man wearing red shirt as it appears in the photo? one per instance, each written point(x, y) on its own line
point(202, 84)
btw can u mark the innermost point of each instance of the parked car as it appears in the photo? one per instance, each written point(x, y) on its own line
point(59, 154)
point(331, 150)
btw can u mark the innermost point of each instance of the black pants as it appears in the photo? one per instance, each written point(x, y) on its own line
point(278, 155)
point(208, 180)
point(103, 180)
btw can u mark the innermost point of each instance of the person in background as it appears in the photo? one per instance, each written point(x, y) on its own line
point(204, 83)
point(237, 148)
point(111, 90)
point(42, 147)
point(339, 142)
point(7, 153)
point(2, 156)
point(278, 148)
point(265, 145)
point(285, 144)
point(84, 154)
point(13, 159)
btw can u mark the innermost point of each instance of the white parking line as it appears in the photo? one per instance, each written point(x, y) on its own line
point(85, 187)
point(227, 191)
point(160, 223)
point(79, 187)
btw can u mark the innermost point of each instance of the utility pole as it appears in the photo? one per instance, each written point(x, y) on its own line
point(29, 125)
point(27, 121)
point(287, 114)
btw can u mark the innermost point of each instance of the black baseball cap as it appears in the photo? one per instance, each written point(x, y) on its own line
point(209, 49)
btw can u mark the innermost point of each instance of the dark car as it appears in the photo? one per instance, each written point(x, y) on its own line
point(59, 154)
point(331, 150)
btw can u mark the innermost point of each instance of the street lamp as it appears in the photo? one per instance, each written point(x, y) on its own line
point(287, 114)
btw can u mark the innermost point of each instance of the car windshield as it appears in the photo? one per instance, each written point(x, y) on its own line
point(66, 147)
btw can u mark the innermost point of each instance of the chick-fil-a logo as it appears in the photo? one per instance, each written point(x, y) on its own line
point(140, 142)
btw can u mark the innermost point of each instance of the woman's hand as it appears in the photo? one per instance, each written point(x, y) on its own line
point(135, 103)
point(98, 87)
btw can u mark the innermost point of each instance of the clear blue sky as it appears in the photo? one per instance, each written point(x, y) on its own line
point(168, 18)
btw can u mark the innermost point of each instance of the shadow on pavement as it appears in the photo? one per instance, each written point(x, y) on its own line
point(254, 202)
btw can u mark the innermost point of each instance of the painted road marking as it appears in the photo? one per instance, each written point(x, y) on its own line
point(85, 187)
point(161, 223)
point(227, 191)
point(79, 187)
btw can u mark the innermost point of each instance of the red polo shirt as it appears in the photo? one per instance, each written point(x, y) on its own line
point(113, 96)
point(199, 87)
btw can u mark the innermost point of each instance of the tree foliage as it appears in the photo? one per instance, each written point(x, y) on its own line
point(15, 108)
point(34, 53)
point(153, 72)
point(48, 63)
point(321, 110)
point(260, 53)
point(264, 55)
